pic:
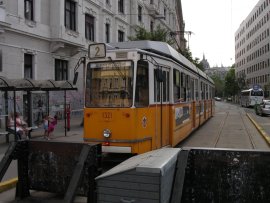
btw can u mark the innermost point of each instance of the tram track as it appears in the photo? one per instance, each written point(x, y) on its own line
point(245, 129)
point(221, 127)
point(248, 132)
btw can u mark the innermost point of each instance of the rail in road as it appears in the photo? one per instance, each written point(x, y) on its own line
point(262, 123)
point(230, 127)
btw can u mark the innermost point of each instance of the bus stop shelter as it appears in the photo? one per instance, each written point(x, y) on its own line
point(29, 86)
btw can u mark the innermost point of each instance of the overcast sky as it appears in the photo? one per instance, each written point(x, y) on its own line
point(213, 24)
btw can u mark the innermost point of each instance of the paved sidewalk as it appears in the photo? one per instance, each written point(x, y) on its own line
point(75, 129)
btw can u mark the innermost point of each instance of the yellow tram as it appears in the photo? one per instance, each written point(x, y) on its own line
point(143, 95)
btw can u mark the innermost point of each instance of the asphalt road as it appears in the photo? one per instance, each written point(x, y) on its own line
point(230, 127)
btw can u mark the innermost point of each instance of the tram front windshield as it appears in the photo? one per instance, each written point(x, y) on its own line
point(109, 84)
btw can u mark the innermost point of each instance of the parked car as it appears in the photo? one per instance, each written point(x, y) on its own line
point(229, 99)
point(263, 108)
point(217, 98)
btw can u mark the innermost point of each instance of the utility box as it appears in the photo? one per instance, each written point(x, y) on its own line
point(146, 178)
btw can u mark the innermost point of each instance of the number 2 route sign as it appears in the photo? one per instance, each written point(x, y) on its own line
point(97, 51)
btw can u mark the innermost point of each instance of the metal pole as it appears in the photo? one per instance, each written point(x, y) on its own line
point(48, 102)
point(6, 107)
point(65, 112)
point(29, 106)
point(6, 112)
point(14, 108)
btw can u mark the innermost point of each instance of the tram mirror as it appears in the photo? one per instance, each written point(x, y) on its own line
point(75, 78)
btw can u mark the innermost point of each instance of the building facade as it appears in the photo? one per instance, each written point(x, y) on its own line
point(44, 39)
point(252, 48)
point(220, 72)
point(204, 63)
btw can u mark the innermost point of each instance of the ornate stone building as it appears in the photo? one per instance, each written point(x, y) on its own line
point(43, 39)
point(205, 63)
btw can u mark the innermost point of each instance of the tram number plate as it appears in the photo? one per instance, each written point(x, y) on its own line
point(107, 115)
point(97, 50)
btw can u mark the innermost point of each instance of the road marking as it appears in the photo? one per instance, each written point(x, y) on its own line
point(260, 129)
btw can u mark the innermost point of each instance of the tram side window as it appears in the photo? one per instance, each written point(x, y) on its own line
point(188, 93)
point(183, 87)
point(157, 84)
point(206, 87)
point(196, 90)
point(176, 85)
point(210, 92)
point(202, 91)
point(192, 89)
point(165, 83)
point(142, 85)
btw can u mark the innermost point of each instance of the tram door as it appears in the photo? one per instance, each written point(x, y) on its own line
point(161, 99)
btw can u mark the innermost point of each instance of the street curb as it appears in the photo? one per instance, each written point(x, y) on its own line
point(9, 184)
point(260, 129)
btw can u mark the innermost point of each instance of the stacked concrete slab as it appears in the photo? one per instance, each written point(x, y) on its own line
point(146, 178)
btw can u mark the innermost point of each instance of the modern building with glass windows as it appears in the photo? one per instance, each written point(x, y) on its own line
point(252, 48)
point(44, 39)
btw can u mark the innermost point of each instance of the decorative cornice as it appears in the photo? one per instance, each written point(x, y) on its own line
point(122, 20)
point(97, 4)
point(108, 11)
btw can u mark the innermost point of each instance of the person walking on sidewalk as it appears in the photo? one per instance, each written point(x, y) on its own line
point(49, 124)
point(52, 125)
point(10, 126)
point(45, 126)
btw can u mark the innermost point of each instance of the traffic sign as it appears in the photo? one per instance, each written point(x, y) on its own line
point(256, 87)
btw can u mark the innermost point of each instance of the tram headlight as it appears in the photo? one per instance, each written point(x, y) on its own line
point(107, 133)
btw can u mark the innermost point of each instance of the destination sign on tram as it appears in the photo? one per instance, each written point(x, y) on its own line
point(111, 65)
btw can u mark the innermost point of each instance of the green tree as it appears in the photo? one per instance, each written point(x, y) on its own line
point(231, 85)
point(187, 53)
point(163, 35)
point(197, 63)
point(219, 85)
point(159, 34)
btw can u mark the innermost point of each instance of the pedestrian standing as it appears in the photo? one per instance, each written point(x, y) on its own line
point(45, 126)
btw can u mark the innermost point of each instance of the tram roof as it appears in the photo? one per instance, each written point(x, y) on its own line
point(7, 84)
point(161, 48)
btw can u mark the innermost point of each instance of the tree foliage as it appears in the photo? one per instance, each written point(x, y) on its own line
point(163, 35)
point(159, 34)
point(231, 85)
point(219, 85)
point(187, 53)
